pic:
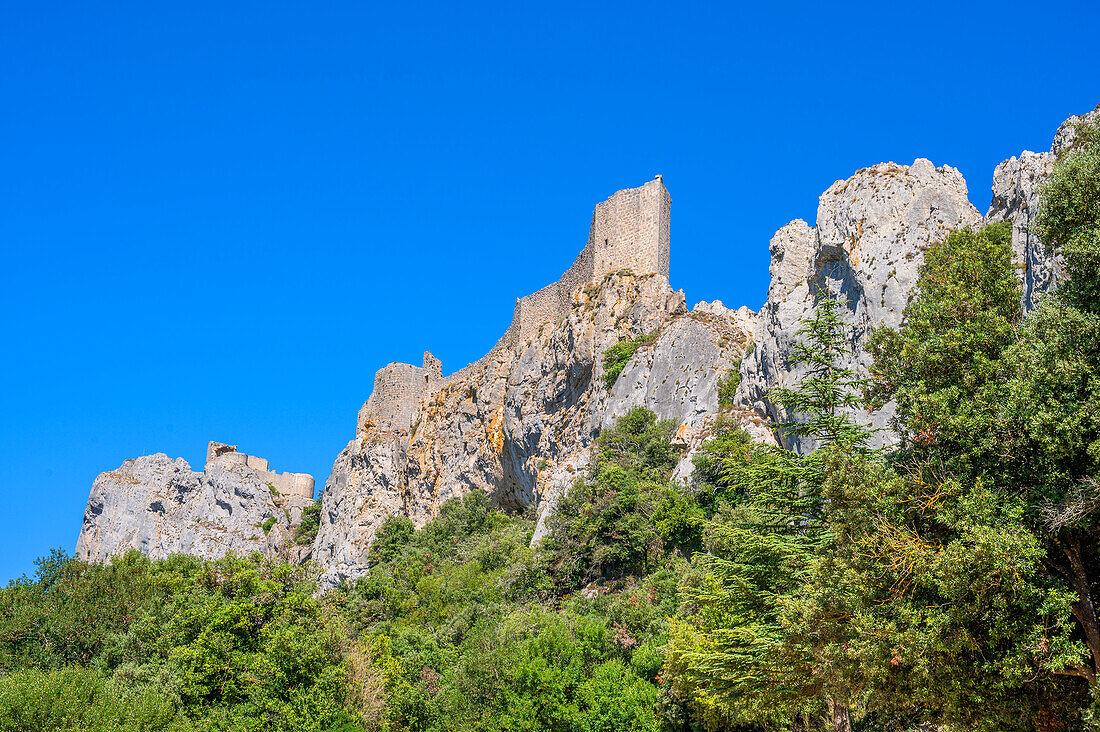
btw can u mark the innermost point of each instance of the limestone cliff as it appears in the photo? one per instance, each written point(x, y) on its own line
point(1016, 199)
point(871, 233)
point(520, 422)
point(161, 506)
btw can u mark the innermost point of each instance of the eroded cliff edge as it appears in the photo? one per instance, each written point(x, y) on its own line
point(865, 250)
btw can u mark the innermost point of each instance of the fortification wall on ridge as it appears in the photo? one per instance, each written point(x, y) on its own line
point(300, 484)
point(548, 305)
point(581, 273)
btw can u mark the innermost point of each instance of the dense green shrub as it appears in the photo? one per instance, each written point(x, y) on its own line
point(238, 641)
point(309, 525)
point(616, 357)
point(83, 699)
point(605, 525)
point(727, 387)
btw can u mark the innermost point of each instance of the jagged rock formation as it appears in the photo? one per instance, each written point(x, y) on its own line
point(678, 377)
point(161, 506)
point(871, 234)
point(1016, 199)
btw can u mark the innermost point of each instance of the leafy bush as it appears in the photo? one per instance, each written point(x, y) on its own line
point(309, 525)
point(141, 644)
point(616, 357)
point(82, 699)
point(616, 700)
point(604, 525)
point(727, 387)
point(392, 536)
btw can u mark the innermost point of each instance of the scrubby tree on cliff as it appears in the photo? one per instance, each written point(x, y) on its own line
point(615, 521)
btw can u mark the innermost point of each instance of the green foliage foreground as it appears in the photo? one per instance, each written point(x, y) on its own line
point(950, 581)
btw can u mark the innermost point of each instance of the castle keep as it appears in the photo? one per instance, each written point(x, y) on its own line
point(398, 388)
point(629, 231)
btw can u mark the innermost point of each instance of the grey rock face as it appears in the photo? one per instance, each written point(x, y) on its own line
point(362, 491)
point(1016, 199)
point(160, 506)
point(1016, 195)
point(1066, 135)
point(871, 234)
point(678, 378)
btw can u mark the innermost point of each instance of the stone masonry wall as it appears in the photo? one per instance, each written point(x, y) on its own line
point(580, 273)
point(298, 484)
point(394, 402)
point(630, 230)
point(548, 305)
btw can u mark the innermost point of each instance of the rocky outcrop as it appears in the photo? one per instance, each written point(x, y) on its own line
point(871, 234)
point(866, 249)
point(160, 506)
point(520, 425)
point(1016, 199)
point(678, 377)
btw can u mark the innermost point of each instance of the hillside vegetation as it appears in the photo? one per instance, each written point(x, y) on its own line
point(950, 580)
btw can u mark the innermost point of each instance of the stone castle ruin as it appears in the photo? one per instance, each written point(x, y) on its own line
point(519, 423)
point(629, 231)
point(295, 484)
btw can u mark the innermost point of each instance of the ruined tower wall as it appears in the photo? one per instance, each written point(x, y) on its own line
point(630, 230)
point(300, 484)
point(393, 404)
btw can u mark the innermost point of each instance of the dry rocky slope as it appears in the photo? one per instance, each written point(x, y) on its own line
point(519, 423)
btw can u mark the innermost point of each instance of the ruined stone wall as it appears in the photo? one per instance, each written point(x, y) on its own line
point(298, 484)
point(581, 273)
point(548, 305)
point(393, 404)
point(630, 230)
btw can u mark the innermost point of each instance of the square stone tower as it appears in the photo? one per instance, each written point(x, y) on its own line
point(630, 230)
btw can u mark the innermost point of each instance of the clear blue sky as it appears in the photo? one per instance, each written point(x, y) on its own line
point(219, 219)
